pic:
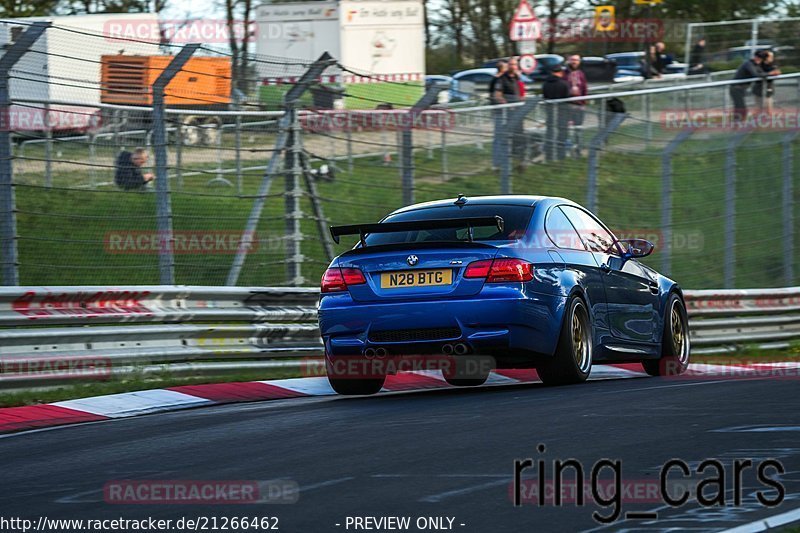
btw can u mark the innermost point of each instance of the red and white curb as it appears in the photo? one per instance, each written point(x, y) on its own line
point(129, 404)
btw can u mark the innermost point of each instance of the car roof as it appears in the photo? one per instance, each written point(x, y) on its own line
point(625, 54)
point(505, 199)
point(488, 70)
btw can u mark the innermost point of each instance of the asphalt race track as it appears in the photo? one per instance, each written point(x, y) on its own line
point(444, 453)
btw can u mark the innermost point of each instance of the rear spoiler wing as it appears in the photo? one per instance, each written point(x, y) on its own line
point(362, 230)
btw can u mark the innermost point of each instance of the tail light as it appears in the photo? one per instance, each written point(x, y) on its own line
point(338, 279)
point(500, 270)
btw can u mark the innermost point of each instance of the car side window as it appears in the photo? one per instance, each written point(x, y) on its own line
point(594, 235)
point(561, 232)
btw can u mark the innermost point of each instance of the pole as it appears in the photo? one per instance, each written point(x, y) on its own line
point(666, 196)
point(292, 212)
point(729, 260)
point(406, 140)
point(166, 258)
point(788, 208)
point(8, 220)
point(594, 147)
point(290, 101)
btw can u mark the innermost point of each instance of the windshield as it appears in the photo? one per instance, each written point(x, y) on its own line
point(515, 218)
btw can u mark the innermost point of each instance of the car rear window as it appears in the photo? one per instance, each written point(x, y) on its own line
point(515, 218)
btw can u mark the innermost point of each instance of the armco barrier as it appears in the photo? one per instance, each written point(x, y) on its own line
point(213, 330)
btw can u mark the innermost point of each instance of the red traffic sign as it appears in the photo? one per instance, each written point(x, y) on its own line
point(527, 63)
point(524, 12)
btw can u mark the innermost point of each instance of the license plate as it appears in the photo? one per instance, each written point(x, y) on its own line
point(416, 278)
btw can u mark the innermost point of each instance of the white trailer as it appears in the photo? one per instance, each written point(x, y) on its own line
point(381, 44)
point(64, 66)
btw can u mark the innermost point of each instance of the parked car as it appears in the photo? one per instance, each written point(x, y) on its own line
point(474, 83)
point(495, 282)
point(543, 64)
point(630, 65)
point(598, 69)
point(439, 79)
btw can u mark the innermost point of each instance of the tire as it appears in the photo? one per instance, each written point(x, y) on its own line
point(463, 376)
point(348, 385)
point(675, 347)
point(572, 361)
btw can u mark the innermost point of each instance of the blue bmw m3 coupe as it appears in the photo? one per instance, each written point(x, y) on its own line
point(518, 281)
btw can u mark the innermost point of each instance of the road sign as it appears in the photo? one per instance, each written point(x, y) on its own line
point(527, 63)
point(524, 12)
point(604, 19)
point(524, 24)
point(525, 31)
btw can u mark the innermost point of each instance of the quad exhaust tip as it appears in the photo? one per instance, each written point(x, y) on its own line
point(375, 352)
point(460, 348)
point(447, 349)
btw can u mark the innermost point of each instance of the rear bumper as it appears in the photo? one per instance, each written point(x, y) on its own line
point(499, 319)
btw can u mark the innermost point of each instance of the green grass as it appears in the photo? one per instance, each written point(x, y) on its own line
point(64, 231)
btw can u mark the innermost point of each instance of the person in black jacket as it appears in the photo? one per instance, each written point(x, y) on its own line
point(764, 97)
point(697, 59)
point(128, 170)
point(556, 87)
point(748, 70)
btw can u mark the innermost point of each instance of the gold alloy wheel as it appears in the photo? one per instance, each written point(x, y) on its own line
point(678, 333)
point(581, 344)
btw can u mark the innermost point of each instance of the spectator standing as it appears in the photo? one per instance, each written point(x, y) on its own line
point(128, 170)
point(515, 63)
point(555, 87)
point(496, 97)
point(661, 58)
point(747, 70)
point(508, 86)
point(576, 79)
point(765, 90)
point(697, 58)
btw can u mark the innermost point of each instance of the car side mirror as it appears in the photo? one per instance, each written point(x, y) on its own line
point(635, 248)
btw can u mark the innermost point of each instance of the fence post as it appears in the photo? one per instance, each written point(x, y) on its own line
point(166, 259)
point(290, 101)
point(406, 140)
point(729, 260)
point(787, 202)
point(688, 49)
point(444, 154)
point(8, 219)
point(513, 125)
point(594, 147)
point(666, 198)
point(48, 148)
point(292, 212)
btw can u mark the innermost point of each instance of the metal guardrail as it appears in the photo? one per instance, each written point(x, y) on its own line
point(218, 330)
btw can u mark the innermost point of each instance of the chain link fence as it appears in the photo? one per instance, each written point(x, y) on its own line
point(247, 181)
